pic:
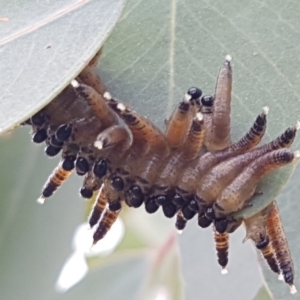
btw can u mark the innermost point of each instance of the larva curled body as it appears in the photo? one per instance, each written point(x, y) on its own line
point(137, 163)
point(235, 196)
point(220, 176)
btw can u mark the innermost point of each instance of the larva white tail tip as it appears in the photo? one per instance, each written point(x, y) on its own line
point(297, 154)
point(266, 110)
point(293, 289)
point(98, 145)
point(41, 200)
point(179, 231)
point(121, 107)
point(187, 97)
point(75, 83)
point(199, 116)
point(297, 126)
point(228, 58)
point(107, 96)
point(280, 277)
point(224, 271)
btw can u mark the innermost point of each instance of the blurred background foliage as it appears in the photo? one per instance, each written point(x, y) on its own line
point(157, 50)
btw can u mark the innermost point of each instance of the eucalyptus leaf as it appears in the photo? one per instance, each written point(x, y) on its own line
point(163, 280)
point(263, 294)
point(202, 274)
point(121, 279)
point(260, 201)
point(159, 50)
point(43, 46)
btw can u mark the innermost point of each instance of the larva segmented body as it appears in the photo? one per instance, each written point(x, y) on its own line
point(278, 240)
point(219, 139)
point(256, 231)
point(190, 169)
point(222, 245)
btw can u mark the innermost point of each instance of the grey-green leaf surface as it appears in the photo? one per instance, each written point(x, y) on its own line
point(118, 280)
point(263, 294)
point(202, 274)
point(43, 46)
point(161, 48)
point(35, 240)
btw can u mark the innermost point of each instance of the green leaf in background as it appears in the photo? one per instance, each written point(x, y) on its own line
point(163, 280)
point(202, 274)
point(35, 240)
point(263, 294)
point(158, 50)
point(119, 280)
point(43, 46)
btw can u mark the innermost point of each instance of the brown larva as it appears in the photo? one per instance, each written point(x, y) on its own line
point(237, 194)
point(220, 139)
point(279, 243)
point(266, 231)
point(138, 163)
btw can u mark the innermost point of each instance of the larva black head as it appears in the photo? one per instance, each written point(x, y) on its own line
point(169, 209)
point(100, 168)
point(54, 142)
point(52, 150)
point(86, 193)
point(194, 92)
point(68, 163)
point(187, 212)
point(81, 165)
point(115, 206)
point(193, 205)
point(136, 197)
point(207, 101)
point(204, 222)
point(117, 183)
point(178, 200)
point(221, 225)
point(161, 200)
point(38, 119)
point(151, 206)
point(40, 136)
point(63, 132)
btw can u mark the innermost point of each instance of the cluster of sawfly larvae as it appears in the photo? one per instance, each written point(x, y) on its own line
point(190, 169)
